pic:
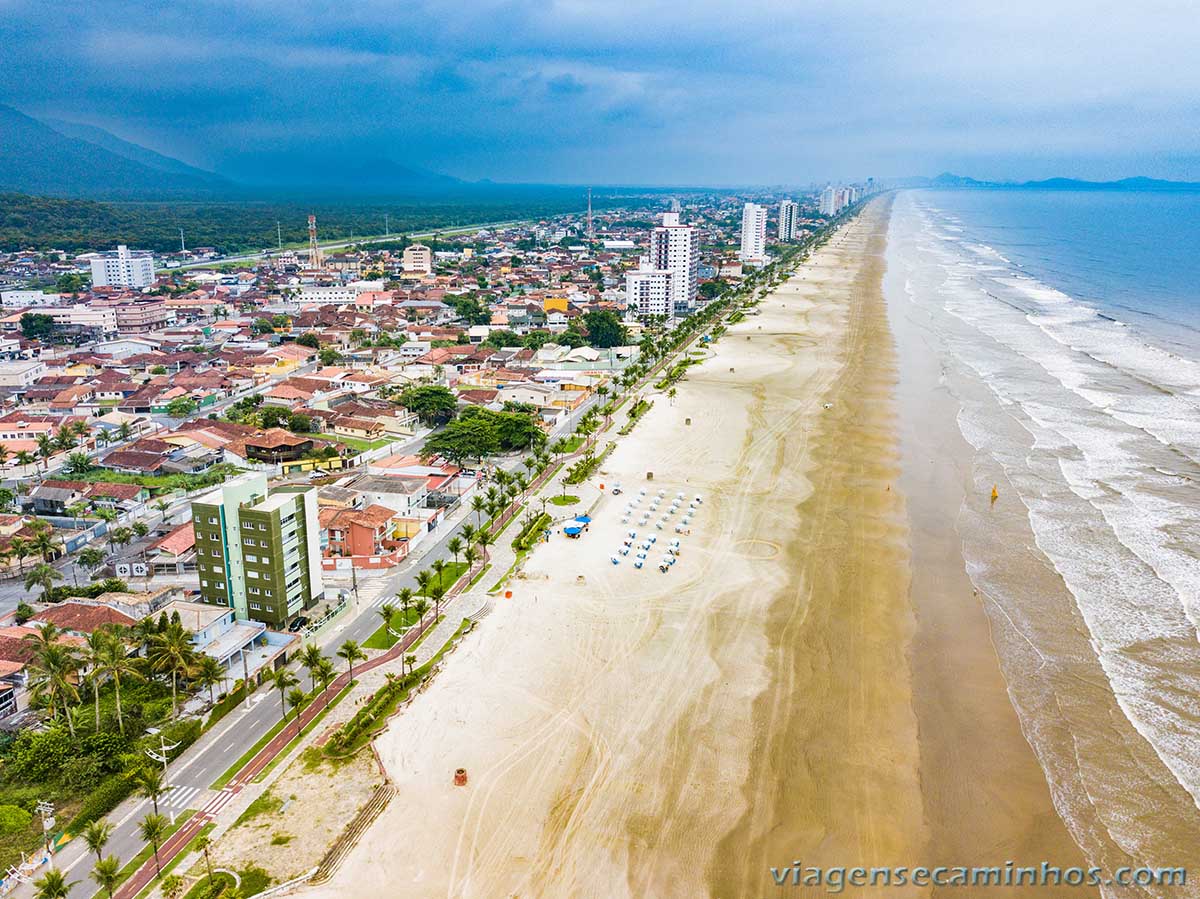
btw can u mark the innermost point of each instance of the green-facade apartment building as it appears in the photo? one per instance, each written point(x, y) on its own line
point(258, 549)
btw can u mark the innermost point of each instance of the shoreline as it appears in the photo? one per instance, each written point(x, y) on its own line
point(784, 693)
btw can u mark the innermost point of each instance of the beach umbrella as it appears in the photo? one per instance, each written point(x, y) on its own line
point(583, 519)
point(652, 538)
point(641, 554)
point(616, 560)
point(633, 533)
point(572, 531)
point(637, 564)
point(624, 550)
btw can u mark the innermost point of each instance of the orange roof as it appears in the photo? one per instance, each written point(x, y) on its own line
point(178, 541)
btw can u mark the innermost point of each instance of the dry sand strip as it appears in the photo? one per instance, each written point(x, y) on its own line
point(632, 733)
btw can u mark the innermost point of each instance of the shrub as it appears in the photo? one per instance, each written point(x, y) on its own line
point(102, 800)
point(13, 818)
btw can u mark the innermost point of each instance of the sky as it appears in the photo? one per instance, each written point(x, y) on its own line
point(657, 92)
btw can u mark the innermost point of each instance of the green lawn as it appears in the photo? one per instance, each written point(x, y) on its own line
point(564, 500)
point(381, 639)
point(573, 443)
point(353, 442)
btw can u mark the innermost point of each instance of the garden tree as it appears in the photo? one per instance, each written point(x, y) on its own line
point(71, 282)
point(433, 405)
point(36, 326)
point(158, 370)
point(6, 499)
point(44, 576)
point(535, 340)
point(262, 326)
point(273, 416)
point(604, 328)
point(107, 874)
point(309, 339)
point(24, 612)
point(153, 828)
point(181, 406)
point(300, 423)
point(310, 659)
point(572, 337)
point(513, 430)
point(96, 836)
point(351, 652)
point(141, 528)
point(500, 338)
point(207, 674)
point(171, 653)
point(53, 885)
point(280, 320)
point(329, 356)
point(462, 440)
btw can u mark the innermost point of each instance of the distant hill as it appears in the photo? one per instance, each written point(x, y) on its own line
point(340, 175)
point(134, 152)
point(34, 158)
point(946, 180)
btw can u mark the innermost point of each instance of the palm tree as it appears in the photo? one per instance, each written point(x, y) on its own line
point(20, 549)
point(141, 528)
point(151, 783)
point(3, 453)
point(171, 653)
point(405, 596)
point(45, 449)
point(296, 699)
point(470, 556)
point(204, 843)
point(44, 542)
point(387, 612)
point(25, 458)
point(125, 431)
point(44, 576)
point(107, 874)
point(173, 886)
point(325, 674)
point(208, 672)
point(153, 828)
point(484, 538)
point(53, 672)
point(410, 661)
point(90, 557)
point(96, 836)
point(78, 463)
point(439, 569)
point(310, 658)
point(423, 581)
point(421, 606)
point(95, 649)
point(120, 536)
point(76, 510)
point(283, 680)
point(468, 532)
point(438, 593)
point(116, 663)
point(162, 506)
point(455, 545)
point(53, 885)
point(351, 652)
point(477, 504)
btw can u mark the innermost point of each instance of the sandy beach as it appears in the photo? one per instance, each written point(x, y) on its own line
point(814, 680)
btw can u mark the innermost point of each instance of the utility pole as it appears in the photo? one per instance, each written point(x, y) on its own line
point(279, 232)
point(387, 228)
point(182, 248)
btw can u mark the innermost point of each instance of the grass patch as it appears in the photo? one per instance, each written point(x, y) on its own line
point(635, 413)
point(573, 443)
point(400, 621)
point(353, 442)
point(266, 804)
point(281, 839)
point(254, 880)
point(565, 499)
point(532, 532)
point(205, 888)
point(180, 856)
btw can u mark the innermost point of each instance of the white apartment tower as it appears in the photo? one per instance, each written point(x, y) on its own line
point(828, 205)
point(675, 248)
point(124, 268)
point(789, 219)
point(648, 290)
point(754, 233)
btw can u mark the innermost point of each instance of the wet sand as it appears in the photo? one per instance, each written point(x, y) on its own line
point(789, 691)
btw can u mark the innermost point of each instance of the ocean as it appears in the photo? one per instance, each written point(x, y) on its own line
point(1067, 326)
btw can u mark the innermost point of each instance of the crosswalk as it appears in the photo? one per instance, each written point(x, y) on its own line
point(218, 802)
point(179, 796)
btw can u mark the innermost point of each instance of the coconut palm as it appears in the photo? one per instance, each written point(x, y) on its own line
point(455, 545)
point(150, 783)
point(76, 511)
point(171, 653)
point(325, 673)
point(439, 569)
point(25, 458)
point(484, 539)
point(387, 612)
point(438, 593)
point(117, 663)
point(477, 505)
point(96, 836)
point(153, 828)
point(295, 698)
point(45, 449)
point(53, 885)
point(410, 661)
point(141, 528)
point(208, 672)
point(44, 576)
point(283, 680)
point(107, 874)
point(95, 648)
point(424, 579)
point(204, 844)
point(421, 606)
point(404, 596)
point(162, 506)
point(20, 549)
point(470, 556)
point(310, 658)
point(53, 675)
point(468, 532)
point(44, 542)
point(173, 886)
point(91, 557)
point(351, 652)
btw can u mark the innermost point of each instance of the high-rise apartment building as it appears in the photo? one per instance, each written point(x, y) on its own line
point(258, 550)
point(754, 233)
point(789, 219)
point(124, 268)
point(675, 248)
point(828, 202)
point(417, 258)
point(648, 290)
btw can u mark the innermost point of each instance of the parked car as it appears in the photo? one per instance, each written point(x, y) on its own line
point(299, 623)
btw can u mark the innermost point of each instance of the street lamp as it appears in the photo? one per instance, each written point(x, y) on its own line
point(163, 753)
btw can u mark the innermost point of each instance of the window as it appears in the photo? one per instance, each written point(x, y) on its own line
point(204, 583)
point(250, 558)
point(255, 606)
point(253, 590)
point(266, 560)
point(251, 574)
point(212, 521)
point(220, 586)
point(268, 593)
